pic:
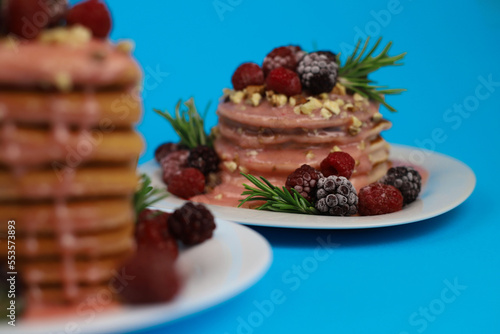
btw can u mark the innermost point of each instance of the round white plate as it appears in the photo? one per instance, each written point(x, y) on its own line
point(450, 183)
point(212, 272)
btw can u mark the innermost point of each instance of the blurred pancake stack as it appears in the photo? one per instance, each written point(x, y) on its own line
point(68, 155)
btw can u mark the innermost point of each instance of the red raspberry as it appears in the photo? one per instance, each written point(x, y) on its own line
point(92, 14)
point(165, 149)
point(188, 183)
point(247, 74)
point(26, 18)
point(284, 56)
point(173, 163)
point(155, 279)
point(284, 81)
point(338, 163)
point(379, 199)
point(152, 231)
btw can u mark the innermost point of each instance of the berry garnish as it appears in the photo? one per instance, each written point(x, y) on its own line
point(283, 56)
point(152, 231)
point(318, 72)
point(165, 149)
point(92, 14)
point(187, 183)
point(203, 158)
point(304, 180)
point(155, 279)
point(405, 179)
point(336, 196)
point(338, 163)
point(247, 74)
point(26, 18)
point(297, 51)
point(192, 223)
point(173, 163)
point(379, 199)
point(283, 81)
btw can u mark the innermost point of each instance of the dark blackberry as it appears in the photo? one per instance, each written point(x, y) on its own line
point(203, 158)
point(192, 223)
point(406, 179)
point(304, 180)
point(165, 149)
point(318, 72)
point(336, 196)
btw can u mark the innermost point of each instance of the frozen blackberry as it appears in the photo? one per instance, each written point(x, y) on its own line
point(165, 149)
point(336, 196)
point(192, 223)
point(406, 179)
point(304, 180)
point(284, 56)
point(318, 72)
point(203, 158)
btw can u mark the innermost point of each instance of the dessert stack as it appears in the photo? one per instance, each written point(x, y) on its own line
point(68, 155)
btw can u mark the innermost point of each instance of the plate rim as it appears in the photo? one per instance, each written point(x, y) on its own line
point(394, 218)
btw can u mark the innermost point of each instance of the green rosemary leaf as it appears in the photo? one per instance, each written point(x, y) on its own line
point(146, 195)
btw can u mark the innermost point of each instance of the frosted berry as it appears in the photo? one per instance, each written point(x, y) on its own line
point(187, 183)
point(336, 196)
point(283, 81)
point(247, 74)
point(318, 72)
point(405, 179)
point(283, 56)
point(379, 199)
point(304, 180)
point(152, 231)
point(192, 223)
point(26, 18)
point(165, 149)
point(203, 158)
point(173, 163)
point(93, 14)
point(297, 51)
point(338, 163)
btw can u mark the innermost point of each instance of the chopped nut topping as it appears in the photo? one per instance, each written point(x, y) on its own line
point(125, 46)
point(377, 117)
point(250, 90)
point(243, 169)
point(323, 96)
point(252, 153)
point(339, 89)
point(227, 91)
point(358, 97)
point(218, 196)
point(355, 127)
point(296, 110)
point(75, 36)
point(279, 100)
point(255, 99)
point(362, 145)
point(312, 104)
point(325, 113)
point(340, 102)
point(336, 149)
point(230, 165)
point(237, 96)
point(63, 82)
point(332, 106)
point(349, 107)
point(292, 101)
point(310, 155)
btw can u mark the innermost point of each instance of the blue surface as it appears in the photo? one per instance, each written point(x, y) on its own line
point(389, 280)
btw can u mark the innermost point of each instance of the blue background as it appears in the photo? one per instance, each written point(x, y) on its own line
point(376, 281)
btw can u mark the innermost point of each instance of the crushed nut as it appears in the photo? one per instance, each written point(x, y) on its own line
point(377, 117)
point(310, 155)
point(340, 102)
point(349, 107)
point(358, 97)
point(252, 153)
point(250, 90)
point(218, 196)
point(243, 169)
point(237, 96)
point(336, 149)
point(355, 127)
point(63, 82)
point(332, 106)
point(255, 99)
point(312, 104)
point(325, 113)
point(323, 96)
point(75, 36)
point(339, 89)
point(125, 47)
point(296, 110)
point(279, 100)
point(292, 101)
point(231, 165)
point(362, 145)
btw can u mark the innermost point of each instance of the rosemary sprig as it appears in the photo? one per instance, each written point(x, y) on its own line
point(353, 74)
point(188, 124)
point(147, 195)
point(276, 199)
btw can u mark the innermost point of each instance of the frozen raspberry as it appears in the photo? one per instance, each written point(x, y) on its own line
point(247, 74)
point(26, 18)
point(336, 196)
point(304, 180)
point(318, 72)
point(283, 56)
point(405, 179)
point(338, 163)
point(173, 163)
point(165, 149)
point(379, 199)
point(187, 183)
point(152, 231)
point(203, 158)
point(92, 14)
point(155, 279)
point(192, 223)
point(297, 51)
point(284, 81)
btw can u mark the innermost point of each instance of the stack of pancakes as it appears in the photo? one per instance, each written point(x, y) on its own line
point(272, 141)
point(68, 155)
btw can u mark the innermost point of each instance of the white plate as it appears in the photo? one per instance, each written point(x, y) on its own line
point(450, 183)
point(218, 269)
